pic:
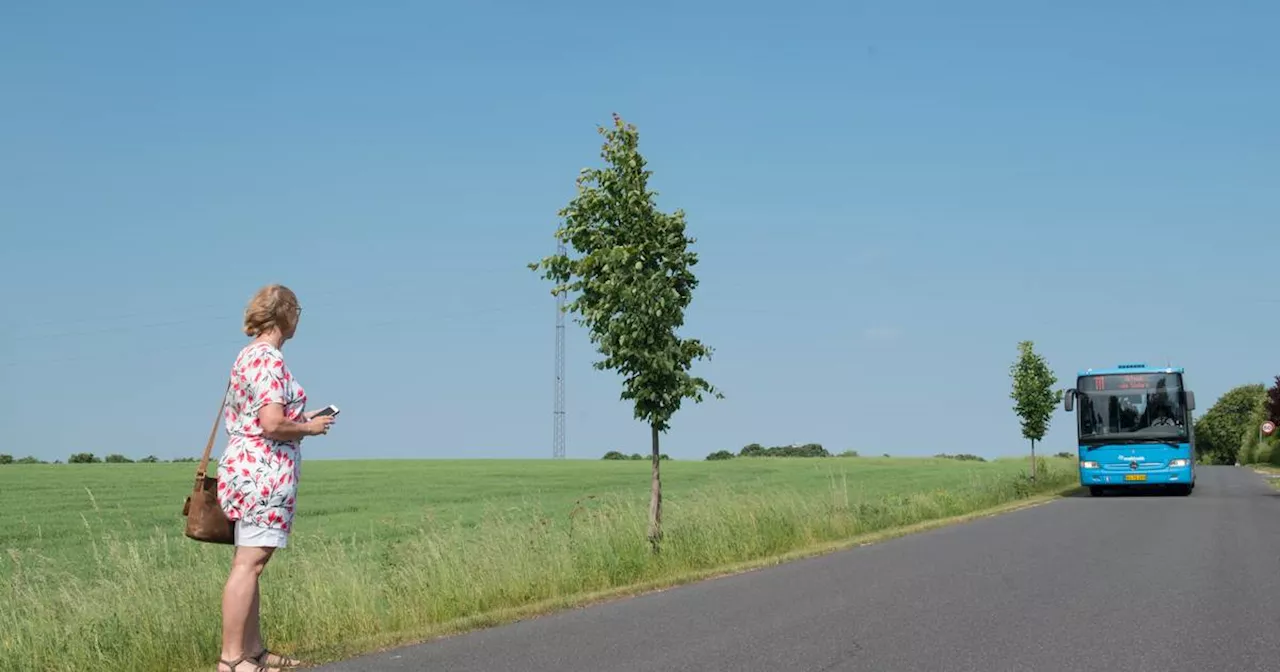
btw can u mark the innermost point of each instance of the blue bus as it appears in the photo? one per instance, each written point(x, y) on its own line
point(1134, 428)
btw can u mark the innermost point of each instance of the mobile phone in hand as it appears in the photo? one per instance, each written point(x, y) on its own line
point(327, 410)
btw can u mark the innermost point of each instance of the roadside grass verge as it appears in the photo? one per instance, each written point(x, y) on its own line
point(151, 602)
point(1270, 472)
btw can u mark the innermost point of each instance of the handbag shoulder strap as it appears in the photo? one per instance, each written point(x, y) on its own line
point(213, 434)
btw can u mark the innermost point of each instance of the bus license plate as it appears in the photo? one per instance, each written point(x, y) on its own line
point(1135, 477)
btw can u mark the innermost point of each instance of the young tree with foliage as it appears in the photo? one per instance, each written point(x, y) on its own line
point(1254, 447)
point(632, 281)
point(1219, 432)
point(1273, 402)
point(1033, 395)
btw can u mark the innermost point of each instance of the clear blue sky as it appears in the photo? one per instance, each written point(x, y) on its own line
point(887, 197)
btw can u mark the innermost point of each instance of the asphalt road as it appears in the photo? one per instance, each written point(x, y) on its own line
point(1129, 583)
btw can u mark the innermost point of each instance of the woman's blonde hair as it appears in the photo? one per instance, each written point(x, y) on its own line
point(272, 306)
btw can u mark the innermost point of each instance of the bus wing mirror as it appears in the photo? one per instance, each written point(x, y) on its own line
point(1068, 400)
point(1191, 400)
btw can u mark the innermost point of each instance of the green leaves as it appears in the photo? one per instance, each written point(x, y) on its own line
point(1221, 431)
point(632, 282)
point(1034, 397)
point(1273, 402)
point(628, 267)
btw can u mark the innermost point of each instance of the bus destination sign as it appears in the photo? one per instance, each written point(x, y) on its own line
point(1141, 381)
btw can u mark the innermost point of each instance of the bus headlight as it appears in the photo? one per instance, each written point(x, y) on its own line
point(1174, 464)
point(1088, 464)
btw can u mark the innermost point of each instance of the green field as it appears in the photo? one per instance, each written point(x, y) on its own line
point(97, 575)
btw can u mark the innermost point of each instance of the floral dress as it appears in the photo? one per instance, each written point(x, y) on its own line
point(258, 477)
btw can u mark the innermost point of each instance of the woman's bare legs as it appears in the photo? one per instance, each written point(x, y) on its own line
point(242, 637)
point(253, 644)
point(253, 625)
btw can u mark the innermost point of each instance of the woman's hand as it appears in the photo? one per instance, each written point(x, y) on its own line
point(277, 427)
point(317, 426)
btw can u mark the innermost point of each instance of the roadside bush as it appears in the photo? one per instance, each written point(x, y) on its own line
point(1252, 445)
point(1273, 402)
point(1266, 453)
point(1254, 448)
point(1248, 451)
point(1222, 431)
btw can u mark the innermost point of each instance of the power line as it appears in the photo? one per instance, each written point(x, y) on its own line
point(63, 321)
point(236, 341)
point(41, 330)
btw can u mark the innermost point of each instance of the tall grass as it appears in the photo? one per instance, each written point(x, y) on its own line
point(152, 602)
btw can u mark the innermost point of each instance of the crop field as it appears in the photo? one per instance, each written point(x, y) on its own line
point(95, 572)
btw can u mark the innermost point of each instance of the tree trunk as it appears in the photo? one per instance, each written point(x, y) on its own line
point(655, 498)
point(1033, 460)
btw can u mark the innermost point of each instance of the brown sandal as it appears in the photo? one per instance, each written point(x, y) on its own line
point(282, 662)
point(235, 665)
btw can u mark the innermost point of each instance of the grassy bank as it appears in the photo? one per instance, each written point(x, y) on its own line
point(97, 575)
point(1270, 472)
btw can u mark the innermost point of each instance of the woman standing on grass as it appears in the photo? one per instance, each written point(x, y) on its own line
point(266, 419)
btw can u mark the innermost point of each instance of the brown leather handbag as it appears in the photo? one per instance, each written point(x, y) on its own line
point(206, 521)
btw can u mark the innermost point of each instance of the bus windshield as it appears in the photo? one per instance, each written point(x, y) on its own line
point(1131, 408)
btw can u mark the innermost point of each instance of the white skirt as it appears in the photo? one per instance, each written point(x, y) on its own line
point(248, 534)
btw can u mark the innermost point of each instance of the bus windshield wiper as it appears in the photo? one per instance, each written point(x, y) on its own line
point(1160, 442)
point(1110, 439)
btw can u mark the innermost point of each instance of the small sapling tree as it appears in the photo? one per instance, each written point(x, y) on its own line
point(1033, 395)
point(629, 267)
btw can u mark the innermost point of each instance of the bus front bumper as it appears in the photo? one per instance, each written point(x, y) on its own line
point(1109, 478)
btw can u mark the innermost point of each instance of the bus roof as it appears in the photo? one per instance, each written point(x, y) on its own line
point(1130, 368)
